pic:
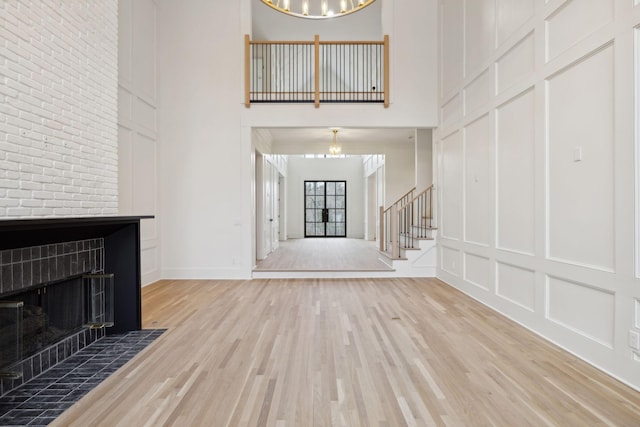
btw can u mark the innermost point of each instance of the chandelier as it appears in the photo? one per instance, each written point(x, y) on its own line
point(334, 148)
point(317, 9)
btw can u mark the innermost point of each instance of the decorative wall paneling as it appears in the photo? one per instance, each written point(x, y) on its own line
point(637, 143)
point(477, 270)
point(515, 190)
point(477, 181)
point(137, 127)
point(451, 183)
point(539, 168)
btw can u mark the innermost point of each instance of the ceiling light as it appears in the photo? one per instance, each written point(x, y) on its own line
point(334, 148)
point(317, 9)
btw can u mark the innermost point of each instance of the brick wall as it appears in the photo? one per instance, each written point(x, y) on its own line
point(58, 107)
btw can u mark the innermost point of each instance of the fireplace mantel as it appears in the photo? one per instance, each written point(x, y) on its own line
point(121, 236)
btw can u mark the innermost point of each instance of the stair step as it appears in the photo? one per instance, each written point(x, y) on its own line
point(404, 236)
point(388, 255)
point(422, 227)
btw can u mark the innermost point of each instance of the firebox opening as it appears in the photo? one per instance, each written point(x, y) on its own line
point(52, 313)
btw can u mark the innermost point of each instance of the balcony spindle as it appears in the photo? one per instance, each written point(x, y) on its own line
point(340, 71)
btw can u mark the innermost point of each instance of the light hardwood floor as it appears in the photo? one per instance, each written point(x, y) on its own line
point(356, 352)
point(324, 254)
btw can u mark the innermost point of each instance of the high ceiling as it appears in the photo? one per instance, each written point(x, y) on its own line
point(268, 24)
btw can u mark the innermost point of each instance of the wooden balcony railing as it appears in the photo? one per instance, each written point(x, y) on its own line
point(316, 71)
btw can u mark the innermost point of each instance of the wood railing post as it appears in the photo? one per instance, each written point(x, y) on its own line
point(316, 65)
point(381, 235)
point(395, 248)
point(386, 71)
point(247, 71)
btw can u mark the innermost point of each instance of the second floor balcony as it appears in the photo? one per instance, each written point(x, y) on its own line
point(317, 71)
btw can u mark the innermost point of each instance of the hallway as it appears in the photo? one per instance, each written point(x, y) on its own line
point(324, 254)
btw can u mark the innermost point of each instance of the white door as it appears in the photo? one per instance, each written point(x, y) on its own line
point(371, 206)
point(275, 224)
point(268, 207)
point(260, 208)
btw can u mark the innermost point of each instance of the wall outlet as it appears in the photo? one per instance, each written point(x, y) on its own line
point(634, 340)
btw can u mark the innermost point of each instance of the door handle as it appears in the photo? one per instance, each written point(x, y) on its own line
point(325, 215)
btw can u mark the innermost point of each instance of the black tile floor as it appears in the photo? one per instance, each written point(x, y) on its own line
point(39, 401)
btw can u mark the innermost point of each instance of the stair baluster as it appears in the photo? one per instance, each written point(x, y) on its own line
point(406, 221)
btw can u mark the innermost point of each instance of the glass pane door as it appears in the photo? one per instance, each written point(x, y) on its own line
point(325, 212)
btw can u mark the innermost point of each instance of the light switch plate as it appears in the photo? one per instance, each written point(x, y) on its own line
point(577, 154)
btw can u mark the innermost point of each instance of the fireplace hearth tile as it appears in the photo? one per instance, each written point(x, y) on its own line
point(41, 400)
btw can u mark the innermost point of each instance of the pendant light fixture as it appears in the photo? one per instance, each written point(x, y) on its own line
point(317, 9)
point(334, 148)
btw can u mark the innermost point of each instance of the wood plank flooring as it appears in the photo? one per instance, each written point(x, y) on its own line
point(355, 352)
point(324, 254)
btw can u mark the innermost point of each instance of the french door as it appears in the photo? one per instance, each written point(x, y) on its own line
point(325, 213)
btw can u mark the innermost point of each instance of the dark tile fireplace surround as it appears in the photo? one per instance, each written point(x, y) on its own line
point(52, 321)
point(52, 255)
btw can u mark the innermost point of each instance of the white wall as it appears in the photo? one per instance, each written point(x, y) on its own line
point(349, 169)
point(399, 171)
point(205, 155)
point(536, 172)
point(423, 158)
point(58, 106)
point(137, 126)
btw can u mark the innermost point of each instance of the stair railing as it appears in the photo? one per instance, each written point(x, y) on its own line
point(388, 225)
point(402, 224)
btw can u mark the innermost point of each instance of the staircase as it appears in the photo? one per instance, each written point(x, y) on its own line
point(407, 234)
